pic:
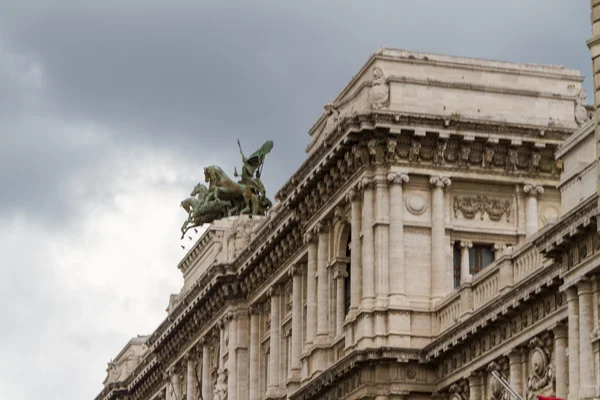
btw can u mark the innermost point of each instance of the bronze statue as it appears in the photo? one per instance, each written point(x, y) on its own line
point(224, 197)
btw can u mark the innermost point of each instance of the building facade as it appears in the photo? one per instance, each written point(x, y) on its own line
point(441, 227)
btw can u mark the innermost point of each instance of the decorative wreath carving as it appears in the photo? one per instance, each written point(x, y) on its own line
point(469, 206)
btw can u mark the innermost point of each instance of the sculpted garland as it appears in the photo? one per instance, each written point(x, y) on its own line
point(224, 197)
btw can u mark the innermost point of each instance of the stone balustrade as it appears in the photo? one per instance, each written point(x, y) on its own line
point(513, 266)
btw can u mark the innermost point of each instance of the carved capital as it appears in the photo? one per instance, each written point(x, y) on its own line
point(275, 291)
point(398, 178)
point(254, 309)
point(499, 247)
point(561, 331)
point(309, 237)
point(440, 182)
point(533, 190)
point(584, 286)
point(352, 195)
point(295, 270)
point(366, 183)
point(466, 244)
point(340, 272)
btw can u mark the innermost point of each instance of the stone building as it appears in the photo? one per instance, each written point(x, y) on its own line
point(441, 227)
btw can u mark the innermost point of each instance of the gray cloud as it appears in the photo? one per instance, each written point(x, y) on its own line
point(91, 88)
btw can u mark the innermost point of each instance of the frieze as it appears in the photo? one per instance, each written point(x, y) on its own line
point(470, 206)
point(488, 156)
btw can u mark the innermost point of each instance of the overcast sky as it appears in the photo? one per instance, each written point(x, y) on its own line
point(110, 109)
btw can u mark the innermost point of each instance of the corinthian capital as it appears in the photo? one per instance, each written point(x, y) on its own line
point(398, 178)
point(533, 189)
point(352, 195)
point(440, 181)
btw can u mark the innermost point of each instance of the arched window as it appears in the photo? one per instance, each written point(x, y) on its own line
point(347, 287)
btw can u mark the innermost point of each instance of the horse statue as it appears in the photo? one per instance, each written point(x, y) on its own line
point(222, 188)
point(201, 209)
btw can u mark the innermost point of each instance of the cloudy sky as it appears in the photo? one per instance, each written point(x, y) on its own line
point(109, 110)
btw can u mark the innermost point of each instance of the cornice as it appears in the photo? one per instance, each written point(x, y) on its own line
point(395, 122)
point(350, 362)
point(552, 241)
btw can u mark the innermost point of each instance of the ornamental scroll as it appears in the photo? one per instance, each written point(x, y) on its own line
point(470, 206)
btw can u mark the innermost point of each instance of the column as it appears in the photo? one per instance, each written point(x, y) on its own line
point(296, 351)
point(498, 250)
point(382, 238)
point(191, 375)
point(515, 363)
point(594, 46)
point(339, 275)
point(232, 380)
point(397, 273)
point(322, 282)
point(311, 290)
point(175, 389)
point(586, 362)
point(254, 367)
point(573, 319)
point(438, 237)
point(475, 384)
point(560, 351)
point(206, 379)
point(368, 251)
point(220, 388)
point(531, 208)
point(465, 270)
point(355, 256)
point(274, 342)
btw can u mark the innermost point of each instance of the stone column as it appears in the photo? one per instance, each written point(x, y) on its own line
point(586, 363)
point(311, 290)
point(232, 380)
point(562, 369)
point(296, 351)
point(382, 239)
point(475, 384)
point(465, 270)
point(515, 362)
point(254, 368)
point(594, 46)
point(355, 256)
point(573, 319)
point(206, 378)
point(531, 208)
point(322, 283)
point(175, 389)
point(498, 249)
point(339, 275)
point(368, 250)
point(397, 272)
point(438, 237)
point(274, 342)
point(191, 375)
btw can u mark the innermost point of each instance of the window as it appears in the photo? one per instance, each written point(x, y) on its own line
point(347, 287)
point(480, 256)
point(456, 264)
